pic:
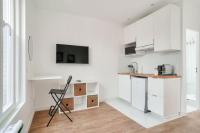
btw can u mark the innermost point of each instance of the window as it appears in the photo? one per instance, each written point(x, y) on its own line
point(8, 54)
point(10, 57)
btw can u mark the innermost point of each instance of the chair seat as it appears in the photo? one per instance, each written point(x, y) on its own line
point(56, 91)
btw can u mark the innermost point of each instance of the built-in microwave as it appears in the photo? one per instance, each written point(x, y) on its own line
point(130, 48)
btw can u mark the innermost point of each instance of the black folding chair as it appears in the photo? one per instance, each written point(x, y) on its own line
point(58, 95)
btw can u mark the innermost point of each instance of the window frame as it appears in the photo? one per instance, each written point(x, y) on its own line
point(11, 27)
point(1, 57)
point(18, 59)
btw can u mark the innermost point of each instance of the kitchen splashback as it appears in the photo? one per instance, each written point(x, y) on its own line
point(149, 62)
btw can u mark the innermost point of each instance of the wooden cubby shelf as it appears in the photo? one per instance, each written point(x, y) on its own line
point(81, 96)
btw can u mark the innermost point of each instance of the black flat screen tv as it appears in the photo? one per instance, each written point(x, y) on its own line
point(72, 54)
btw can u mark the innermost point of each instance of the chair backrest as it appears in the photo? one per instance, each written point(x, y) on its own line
point(67, 84)
point(69, 79)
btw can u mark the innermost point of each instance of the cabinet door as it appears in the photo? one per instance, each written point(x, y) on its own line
point(156, 87)
point(130, 34)
point(155, 104)
point(145, 31)
point(162, 29)
point(155, 95)
point(167, 29)
point(138, 93)
point(124, 87)
point(172, 96)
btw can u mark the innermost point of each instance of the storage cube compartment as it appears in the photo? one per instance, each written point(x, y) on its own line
point(69, 103)
point(92, 89)
point(92, 100)
point(80, 103)
point(79, 89)
point(70, 92)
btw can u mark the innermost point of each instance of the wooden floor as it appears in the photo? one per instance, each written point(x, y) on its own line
point(106, 119)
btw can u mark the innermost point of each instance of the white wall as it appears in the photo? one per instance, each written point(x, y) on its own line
point(103, 39)
point(191, 20)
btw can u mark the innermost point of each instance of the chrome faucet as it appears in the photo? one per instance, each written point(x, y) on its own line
point(135, 65)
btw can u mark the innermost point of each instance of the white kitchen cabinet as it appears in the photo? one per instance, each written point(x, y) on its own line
point(167, 29)
point(124, 84)
point(161, 28)
point(164, 96)
point(155, 104)
point(138, 92)
point(145, 31)
point(130, 34)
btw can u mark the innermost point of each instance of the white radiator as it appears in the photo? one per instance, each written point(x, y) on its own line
point(15, 128)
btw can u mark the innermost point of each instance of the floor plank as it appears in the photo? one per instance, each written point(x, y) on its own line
point(106, 119)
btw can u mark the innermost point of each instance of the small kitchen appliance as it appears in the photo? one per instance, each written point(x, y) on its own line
point(133, 67)
point(165, 69)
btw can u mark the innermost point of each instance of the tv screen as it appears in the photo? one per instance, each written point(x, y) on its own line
point(72, 54)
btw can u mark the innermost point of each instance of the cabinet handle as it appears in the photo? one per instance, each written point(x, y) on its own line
point(79, 89)
point(196, 69)
point(29, 49)
point(154, 95)
point(8, 25)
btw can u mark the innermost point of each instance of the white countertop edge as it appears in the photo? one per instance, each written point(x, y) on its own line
point(45, 77)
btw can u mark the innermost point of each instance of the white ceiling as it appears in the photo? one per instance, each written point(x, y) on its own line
point(120, 11)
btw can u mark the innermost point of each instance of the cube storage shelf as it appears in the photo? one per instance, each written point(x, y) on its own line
point(81, 96)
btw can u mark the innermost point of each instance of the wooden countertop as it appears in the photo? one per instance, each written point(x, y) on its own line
point(149, 75)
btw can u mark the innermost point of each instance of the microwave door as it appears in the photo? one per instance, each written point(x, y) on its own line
point(130, 50)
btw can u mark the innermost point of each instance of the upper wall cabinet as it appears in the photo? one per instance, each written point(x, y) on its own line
point(130, 34)
point(167, 29)
point(161, 28)
point(145, 35)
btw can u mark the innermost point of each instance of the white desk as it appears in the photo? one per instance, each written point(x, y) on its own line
point(40, 78)
point(49, 77)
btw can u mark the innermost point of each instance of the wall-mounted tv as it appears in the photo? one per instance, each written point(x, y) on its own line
point(72, 54)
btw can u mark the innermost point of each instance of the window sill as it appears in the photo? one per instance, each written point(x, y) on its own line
point(6, 121)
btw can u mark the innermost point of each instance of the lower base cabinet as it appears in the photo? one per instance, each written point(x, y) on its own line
point(124, 84)
point(155, 104)
point(138, 92)
point(164, 96)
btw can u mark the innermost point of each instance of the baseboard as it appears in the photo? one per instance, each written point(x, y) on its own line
point(42, 108)
point(29, 122)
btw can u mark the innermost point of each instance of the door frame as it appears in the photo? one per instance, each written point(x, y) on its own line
point(184, 79)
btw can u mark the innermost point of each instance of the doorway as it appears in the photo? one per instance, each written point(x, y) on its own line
point(192, 65)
